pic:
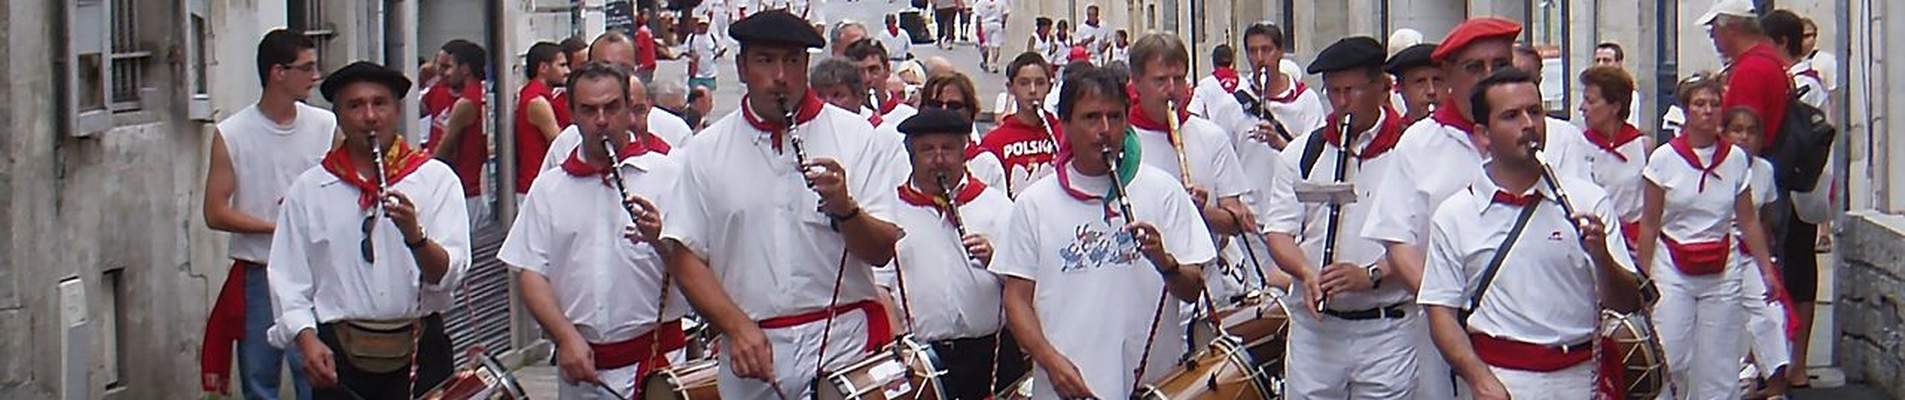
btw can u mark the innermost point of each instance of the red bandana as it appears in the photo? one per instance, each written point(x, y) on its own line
point(967, 192)
point(1612, 143)
point(1517, 200)
point(643, 144)
point(1295, 92)
point(810, 106)
point(399, 161)
point(892, 102)
point(875, 119)
point(1387, 134)
point(1227, 77)
point(892, 29)
point(1685, 150)
point(1447, 115)
point(1143, 121)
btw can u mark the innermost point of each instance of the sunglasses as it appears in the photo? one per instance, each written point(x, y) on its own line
point(370, 256)
point(951, 105)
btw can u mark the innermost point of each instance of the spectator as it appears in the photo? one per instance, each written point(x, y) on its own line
point(845, 33)
point(700, 104)
point(1807, 229)
point(898, 42)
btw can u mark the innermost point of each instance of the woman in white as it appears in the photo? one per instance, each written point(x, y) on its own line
point(1611, 152)
point(1765, 317)
point(1695, 195)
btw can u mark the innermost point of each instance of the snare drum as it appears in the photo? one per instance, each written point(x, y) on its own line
point(904, 369)
point(1259, 326)
point(694, 380)
point(484, 379)
point(1225, 371)
point(1632, 364)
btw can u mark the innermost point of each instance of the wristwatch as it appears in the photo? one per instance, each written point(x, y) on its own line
point(422, 238)
point(1375, 276)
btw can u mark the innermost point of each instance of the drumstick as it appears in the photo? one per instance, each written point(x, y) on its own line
point(605, 387)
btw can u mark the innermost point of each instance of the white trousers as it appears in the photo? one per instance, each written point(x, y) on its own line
point(1765, 324)
point(1572, 383)
point(796, 350)
point(1699, 320)
point(621, 379)
point(1332, 358)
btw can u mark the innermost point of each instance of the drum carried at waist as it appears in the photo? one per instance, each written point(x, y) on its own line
point(483, 379)
point(904, 369)
point(694, 380)
point(1242, 361)
point(1632, 363)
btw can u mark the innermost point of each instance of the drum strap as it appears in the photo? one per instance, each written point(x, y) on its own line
point(1501, 255)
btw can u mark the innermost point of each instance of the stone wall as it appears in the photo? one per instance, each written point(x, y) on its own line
point(1871, 303)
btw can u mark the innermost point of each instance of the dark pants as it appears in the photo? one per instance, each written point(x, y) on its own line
point(1795, 246)
point(433, 367)
point(968, 364)
point(943, 19)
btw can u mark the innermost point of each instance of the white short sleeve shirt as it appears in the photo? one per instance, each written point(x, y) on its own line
point(1214, 164)
point(951, 297)
point(1314, 222)
point(1432, 162)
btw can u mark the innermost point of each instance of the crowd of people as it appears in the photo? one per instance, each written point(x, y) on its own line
point(1063, 253)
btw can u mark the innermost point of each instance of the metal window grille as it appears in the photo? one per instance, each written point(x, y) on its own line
point(129, 58)
point(308, 17)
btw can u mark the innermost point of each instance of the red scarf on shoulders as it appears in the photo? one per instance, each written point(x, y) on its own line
point(1387, 134)
point(1684, 149)
point(1226, 77)
point(1447, 115)
point(967, 192)
point(1612, 143)
point(642, 144)
point(1143, 121)
point(809, 107)
point(399, 161)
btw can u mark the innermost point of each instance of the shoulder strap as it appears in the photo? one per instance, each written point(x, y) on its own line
point(1501, 254)
point(1312, 149)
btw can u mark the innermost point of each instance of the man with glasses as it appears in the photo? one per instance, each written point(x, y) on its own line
point(256, 153)
point(363, 240)
point(1356, 332)
point(1437, 157)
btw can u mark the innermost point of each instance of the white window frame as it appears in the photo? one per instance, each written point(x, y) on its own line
point(133, 93)
point(87, 37)
point(198, 33)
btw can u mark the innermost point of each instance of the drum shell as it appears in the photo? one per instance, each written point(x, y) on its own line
point(695, 380)
point(873, 377)
point(1221, 372)
point(1629, 339)
point(485, 379)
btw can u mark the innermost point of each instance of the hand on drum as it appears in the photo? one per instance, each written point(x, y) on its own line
point(577, 362)
point(978, 247)
point(753, 356)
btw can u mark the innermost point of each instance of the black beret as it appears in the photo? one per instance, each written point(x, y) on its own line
point(776, 27)
point(935, 120)
point(1348, 53)
point(364, 71)
point(1410, 58)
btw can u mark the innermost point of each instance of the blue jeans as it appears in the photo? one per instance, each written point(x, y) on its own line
point(258, 361)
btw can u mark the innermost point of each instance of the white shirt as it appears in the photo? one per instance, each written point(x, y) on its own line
point(992, 12)
point(265, 159)
point(1095, 293)
point(1048, 47)
point(318, 273)
point(987, 168)
point(570, 232)
point(897, 43)
point(1214, 165)
point(661, 123)
point(1572, 154)
point(950, 297)
point(1301, 115)
point(1691, 214)
point(1099, 35)
point(1827, 65)
point(747, 210)
point(703, 48)
point(1366, 176)
point(1432, 162)
point(1815, 206)
point(1545, 292)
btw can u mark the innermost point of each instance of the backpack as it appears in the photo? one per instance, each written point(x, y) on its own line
point(1805, 141)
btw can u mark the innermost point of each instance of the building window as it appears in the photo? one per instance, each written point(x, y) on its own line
point(308, 16)
point(198, 55)
point(130, 58)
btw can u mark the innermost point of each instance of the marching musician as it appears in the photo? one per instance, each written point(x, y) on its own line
point(597, 295)
point(1358, 330)
point(617, 49)
point(1418, 81)
point(952, 298)
point(1026, 140)
point(1271, 107)
point(1513, 284)
point(1081, 268)
point(890, 107)
point(361, 239)
point(1174, 139)
point(1437, 157)
point(779, 215)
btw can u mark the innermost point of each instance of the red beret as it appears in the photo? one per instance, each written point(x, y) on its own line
point(1472, 30)
point(1078, 53)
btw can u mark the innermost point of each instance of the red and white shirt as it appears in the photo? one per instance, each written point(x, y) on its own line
point(473, 145)
point(1612, 161)
point(1024, 150)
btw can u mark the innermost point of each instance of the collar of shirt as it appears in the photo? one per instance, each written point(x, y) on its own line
point(1447, 115)
point(1143, 121)
point(810, 106)
point(1484, 187)
point(631, 155)
point(1611, 143)
point(399, 162)
point(1294, 91)
point(963, 193)
point(1386, 133)
point(1226, 77)
point(1685, 150)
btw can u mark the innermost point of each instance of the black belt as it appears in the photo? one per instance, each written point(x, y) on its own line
point(1391, 311)
point(954, 344)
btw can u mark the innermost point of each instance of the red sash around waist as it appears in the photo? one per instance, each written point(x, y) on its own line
point(879, 331)
point(1510, 354)
point(650, 349)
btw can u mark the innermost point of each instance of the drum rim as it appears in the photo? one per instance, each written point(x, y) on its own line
point(507, 377)
point(907, 342)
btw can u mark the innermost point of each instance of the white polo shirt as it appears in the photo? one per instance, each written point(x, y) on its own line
point(747, 210)
point(569, 231)
point(1095, 292)
point(1692, 214)
point(1433, 161)
point(1214, 164)
point(950, 296)
point(265, 159)
point(1298, 109)
point(318, 273)
point(1366, 176)
point(1545, 292)
point(1617, 171)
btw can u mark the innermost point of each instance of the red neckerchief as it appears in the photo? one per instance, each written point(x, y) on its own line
point(1612, 143)
point(1685, 150)
point(1143, 121)
point(875, 118)
point(1518, 200)
point(1447, 115)
point(1286, 99)
point(1387, 134)
point(967, 192)
point(642, 144)
point(1226, 77)
point(810, 106)
point(892, 102)
point(892, 29)
point(399, 161)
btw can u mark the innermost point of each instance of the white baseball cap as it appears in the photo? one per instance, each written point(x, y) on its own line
point(1737, 8)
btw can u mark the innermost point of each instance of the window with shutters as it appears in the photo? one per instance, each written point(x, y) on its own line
point(309, 16)
point(130, 58)
point(112, 63)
